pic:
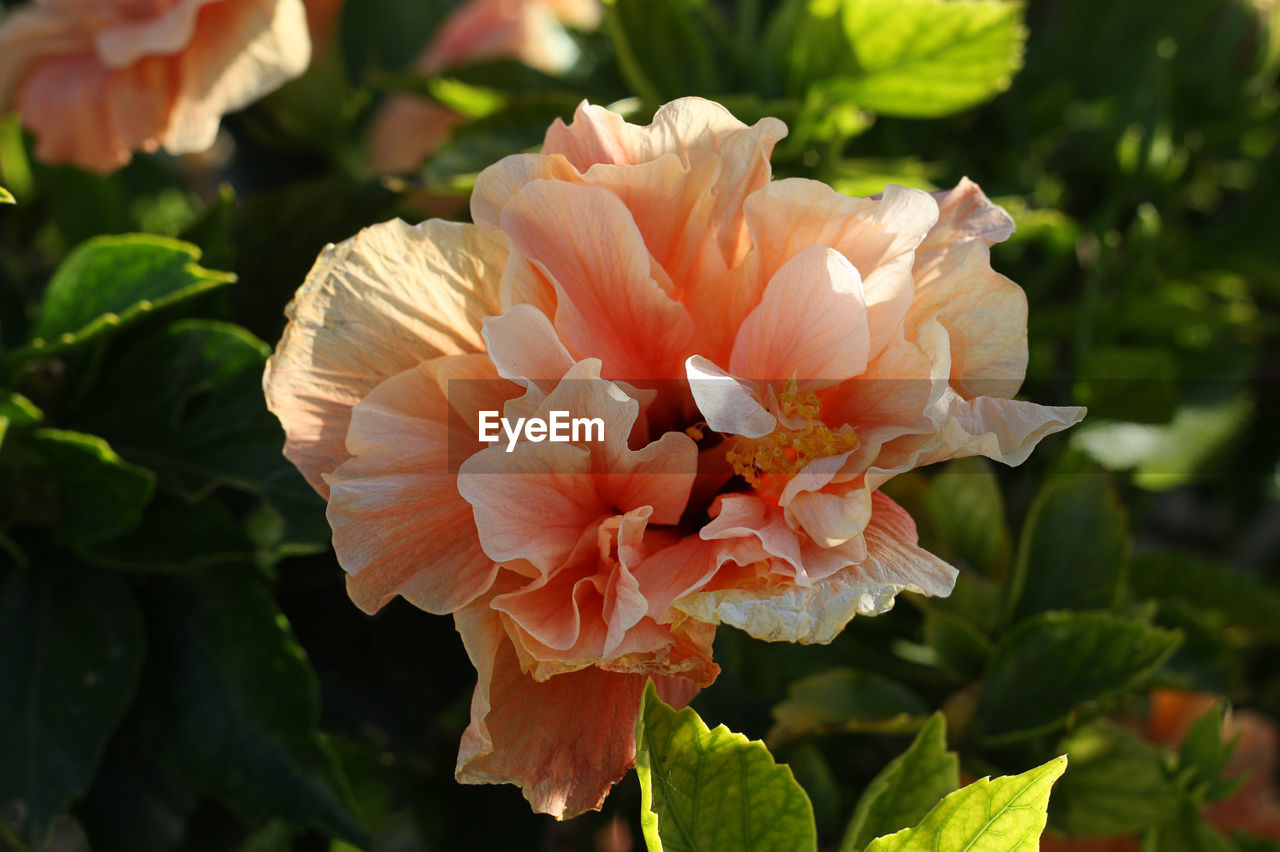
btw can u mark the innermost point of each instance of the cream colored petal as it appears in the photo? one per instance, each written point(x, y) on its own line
point(380, 303)
point(728, 404)
point(579, 14)
point(984, 312)
point(583, 239)
point(242, 49)
point(796, 555)
point(817, 614)
point(399, 525)
point(811, 324)
point(1004, 430)
point(832, 516)
point(169, 31)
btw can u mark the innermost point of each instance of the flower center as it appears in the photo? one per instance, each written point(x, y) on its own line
point(766, 463)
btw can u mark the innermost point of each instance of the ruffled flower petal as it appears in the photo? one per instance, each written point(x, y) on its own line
point(399, 525)
point(817, 613)
point(380, 303)
point(585, 242)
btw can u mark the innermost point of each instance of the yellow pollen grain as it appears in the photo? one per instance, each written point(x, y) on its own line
point(765, 463)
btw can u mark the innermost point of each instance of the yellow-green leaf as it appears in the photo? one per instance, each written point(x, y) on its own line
point(1005, 814)
point(6, 197)
point(705, 790)
point(922, 58)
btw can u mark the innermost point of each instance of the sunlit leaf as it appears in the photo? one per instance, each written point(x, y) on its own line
point(706, 790)
point(1117, 784)
point(1005, 814)
point(109, 282)
point(906, 789)
point(917, 58)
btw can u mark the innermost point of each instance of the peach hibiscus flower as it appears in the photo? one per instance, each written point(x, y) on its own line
point(761, 355)
point(95, 81)
point(408, 128)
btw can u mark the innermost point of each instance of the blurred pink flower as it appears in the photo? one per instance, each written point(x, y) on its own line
point(408, 128)
point(764, 355)
point(96, 81)
point(1253, 809)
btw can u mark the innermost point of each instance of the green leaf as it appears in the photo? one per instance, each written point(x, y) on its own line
point(968, 513)
point(1187, 833)
point(176, 536)
point(89, 492)
point(703, 790)
point(109, 282)
point(1117, 784)
point(906, 789)
point(844, 700)
point(1050, 664)
point(662, 47)
point(913, 58)
point(1203, 756)
point(202, 422)
point(71, 648)
point(1244, 600)
point(1074, 548)
point(6, 197)
point(1005, 814)
point(962, 648)
point(230, 702)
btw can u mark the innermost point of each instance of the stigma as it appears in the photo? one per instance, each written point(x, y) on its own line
point(767, 463)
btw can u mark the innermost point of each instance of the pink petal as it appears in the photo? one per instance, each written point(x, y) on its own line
point(811, 324)
point(879, 237)
point(797, 555)
point(585, 242)
point(679, 127)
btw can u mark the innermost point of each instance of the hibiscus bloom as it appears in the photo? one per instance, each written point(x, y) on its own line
point(97, 81)
point(408, 128)
point(762, 356)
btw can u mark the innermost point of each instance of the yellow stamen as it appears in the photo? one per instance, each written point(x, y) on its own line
point(766, 463)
